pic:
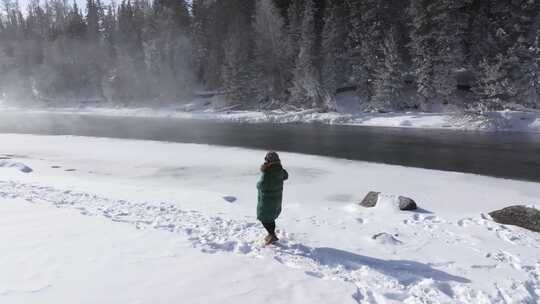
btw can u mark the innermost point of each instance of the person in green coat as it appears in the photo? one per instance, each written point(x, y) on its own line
point(270, 194)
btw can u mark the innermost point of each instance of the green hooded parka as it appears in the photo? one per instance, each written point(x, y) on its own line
point(270, 192)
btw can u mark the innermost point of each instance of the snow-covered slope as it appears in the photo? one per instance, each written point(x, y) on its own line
point(517, 121)
point(118, 221)
point(347, 114)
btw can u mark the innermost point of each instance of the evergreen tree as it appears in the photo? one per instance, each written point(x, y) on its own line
point(92, 21)
point(159, 51)
point(522, 31)
point(239, 72)
point(272, 49)
point(305, 91)
point(335, 68)
point(388, 82)
point(130, 83)
point(294, 25)
point(492, 84)
point(354, 45)
point(506, 44)
point(368, 22)
point(437, 40)
point(168, 49)
point(199, 38)
point(238, 75)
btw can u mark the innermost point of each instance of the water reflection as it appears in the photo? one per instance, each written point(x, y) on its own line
point(513, 155)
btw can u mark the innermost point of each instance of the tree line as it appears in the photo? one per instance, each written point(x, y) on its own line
point(392, 55)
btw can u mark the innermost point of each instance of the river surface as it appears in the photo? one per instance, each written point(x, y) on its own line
point(504, 154)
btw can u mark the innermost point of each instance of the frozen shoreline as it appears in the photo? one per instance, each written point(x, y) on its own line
point(507, 121)
point(162, 207)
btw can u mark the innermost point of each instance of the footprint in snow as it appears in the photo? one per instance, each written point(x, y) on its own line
point(215, 234)
point(483, 266)
point(314, 274)
point(11, 156)
point(340, 198)
point(386, 239)
point(19, 166)
point(230, 199)
point(503, 257)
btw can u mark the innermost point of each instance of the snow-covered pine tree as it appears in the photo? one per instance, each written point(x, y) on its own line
point(92, 21)
point(272, 50)
point(306, 88)
point(9, 63)
point(534, 73)
point(168, 50)
point(3, 56)
point(523, 27)
point(6, 8)
point(388, 80)
point(492, 84)
point(452, 19)
point(239, 72)
point(3, 59)
point(353, 50)
point(130, 82)
point(436, 45)
point(212, 21)
point(374, 20)
point(368, 21)
point(419, 48)
point(94, 51)
point(239, 76)
point(109, 37)
point(35, 30)
point(506, 43)
point(109, 31)
point(335, 70)
point(51, 49)
point(295, 13)
point(199, 39)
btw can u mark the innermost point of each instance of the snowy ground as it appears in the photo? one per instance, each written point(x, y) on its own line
point(122, 221)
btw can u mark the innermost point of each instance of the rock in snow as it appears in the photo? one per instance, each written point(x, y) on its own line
point(522, 216)
point(406, 203)
point(370, 200)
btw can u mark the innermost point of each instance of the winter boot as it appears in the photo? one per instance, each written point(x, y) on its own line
point(270, 239)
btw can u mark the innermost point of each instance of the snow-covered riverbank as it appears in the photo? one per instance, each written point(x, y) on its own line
point(515, 121)
point(116, 221)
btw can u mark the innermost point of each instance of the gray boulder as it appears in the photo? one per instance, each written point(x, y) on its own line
point(522, 216)
point(370, 200)
point(406, 203)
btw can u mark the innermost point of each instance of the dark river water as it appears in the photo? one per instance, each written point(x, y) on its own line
point(511, 155)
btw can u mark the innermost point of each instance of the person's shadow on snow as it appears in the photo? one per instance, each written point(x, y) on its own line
point(406, 272)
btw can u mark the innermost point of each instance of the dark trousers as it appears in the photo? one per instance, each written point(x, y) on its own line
point(270, 227)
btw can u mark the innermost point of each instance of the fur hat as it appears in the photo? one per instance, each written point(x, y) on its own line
point(271, 157)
